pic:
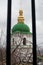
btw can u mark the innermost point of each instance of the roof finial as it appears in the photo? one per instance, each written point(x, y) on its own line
point(21, 12)
point(20, 17)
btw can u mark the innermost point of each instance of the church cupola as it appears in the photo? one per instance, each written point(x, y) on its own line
point(21, 27)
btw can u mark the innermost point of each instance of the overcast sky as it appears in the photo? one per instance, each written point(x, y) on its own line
point(26, 6)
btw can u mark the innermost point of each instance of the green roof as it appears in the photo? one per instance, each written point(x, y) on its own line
point(22, 28)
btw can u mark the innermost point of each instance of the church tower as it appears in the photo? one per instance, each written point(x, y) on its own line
point(21, 39)
point(21, 29)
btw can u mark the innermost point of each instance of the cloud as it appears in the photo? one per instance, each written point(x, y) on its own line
point(39, 9)
point(39, 32)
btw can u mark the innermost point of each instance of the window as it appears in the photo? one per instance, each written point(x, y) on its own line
point(13, 41)
point(24, 41)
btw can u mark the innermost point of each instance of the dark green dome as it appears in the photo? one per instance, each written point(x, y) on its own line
point(20, 27)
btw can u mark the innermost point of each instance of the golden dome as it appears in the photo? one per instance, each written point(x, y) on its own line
point(20, 17)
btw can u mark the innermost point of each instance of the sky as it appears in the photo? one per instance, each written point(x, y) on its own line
point(25, 5)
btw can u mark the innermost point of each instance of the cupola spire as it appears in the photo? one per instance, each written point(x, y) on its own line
point(20, 17)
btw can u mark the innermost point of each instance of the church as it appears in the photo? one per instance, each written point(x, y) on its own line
point(21, 41)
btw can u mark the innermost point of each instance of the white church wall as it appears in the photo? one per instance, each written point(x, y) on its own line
point(19, 39)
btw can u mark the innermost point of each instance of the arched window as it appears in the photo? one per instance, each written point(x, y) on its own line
point(13, 41)
point(24, 41)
